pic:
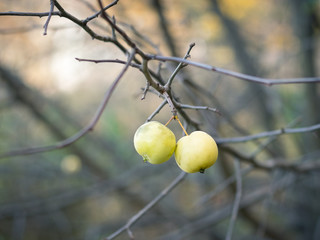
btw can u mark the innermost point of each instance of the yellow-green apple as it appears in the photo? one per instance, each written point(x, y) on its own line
point(196, 152)
point(154, 142)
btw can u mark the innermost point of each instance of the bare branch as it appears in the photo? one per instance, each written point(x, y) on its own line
point(49, 17)
point(110, 61)
point(209, 220)
point(63, 13)
point(145, 91)
point(88, 19)
point(237, 199)
point(83, 131)
point(170, 103)
point(268, 134)
point(157, 110)
point(244, 172)
point(120, 31)
point(186, 106)
point(144, 210)
point(154, 84)
point(298, 166)
point(264, 81)
point(85, 27)
point(29, 14)
point(179, 67)
point(222, 186)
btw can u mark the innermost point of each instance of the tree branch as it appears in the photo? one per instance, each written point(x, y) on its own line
point(120, 31)
point(237, 199)
point(259, 80)
point(209, 220)
point(164, 102)
point(144, 210)
point(178, 68)
point(269, 165)
point(83, 131)
point(268, 134)
point(88, 19)
point(30, 14)
point(49, 17)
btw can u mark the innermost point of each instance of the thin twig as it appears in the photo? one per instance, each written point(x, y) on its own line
point(269, 165)
point(85, 27)
point(29, 14)
point(186, 106)
point(138, 66)
point(146, 89)
point(151, 204)
point(222, 186)
point(244, 171)
point(157, 110)
point(179, 67)
point(237, 199)
point(264, 81)
point(114, 35)
point(259, 80)
point(209, 220)
point(268, 134)
point(127, 39)
point(88, 19)
point(82, 132)
point(153, 83)
point(170, 103)
point(156, 85)
point(49, 17)
point(65, 14)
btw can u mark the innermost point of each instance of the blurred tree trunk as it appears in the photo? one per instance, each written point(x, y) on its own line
point(306, 24)
point(158, 7)
point(267, 116)
point(305, 19)
point(247, 63)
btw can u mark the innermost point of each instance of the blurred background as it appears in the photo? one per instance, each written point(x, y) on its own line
point(91, 188)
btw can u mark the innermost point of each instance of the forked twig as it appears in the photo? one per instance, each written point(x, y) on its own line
point(179, 67)
point(144, 210)
point(88, 19)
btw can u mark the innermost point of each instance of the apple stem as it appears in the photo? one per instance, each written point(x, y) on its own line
point(169, 120)
point(176, 117)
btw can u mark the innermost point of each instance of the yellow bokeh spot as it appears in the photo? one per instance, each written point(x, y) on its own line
point(70, 164)
point(238, 8)
point(210, 25)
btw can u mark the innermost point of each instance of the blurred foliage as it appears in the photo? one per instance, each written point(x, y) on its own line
point(92, 187)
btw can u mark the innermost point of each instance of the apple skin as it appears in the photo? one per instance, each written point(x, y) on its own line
point(154, 142)
point(196, 152)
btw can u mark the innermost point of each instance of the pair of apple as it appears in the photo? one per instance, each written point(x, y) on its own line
point(193, 153)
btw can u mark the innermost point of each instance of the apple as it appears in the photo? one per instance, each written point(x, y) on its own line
point(154, 142)
point(196, 152)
